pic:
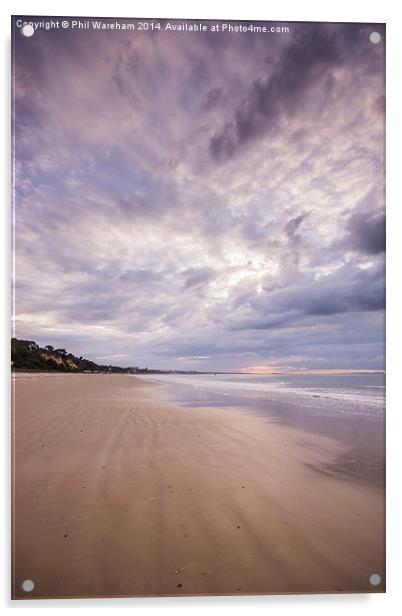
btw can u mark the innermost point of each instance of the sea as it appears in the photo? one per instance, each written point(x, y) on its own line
point(355, 394)
point(348, 407)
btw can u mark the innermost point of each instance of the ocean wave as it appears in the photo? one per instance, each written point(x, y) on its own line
point(352, 400)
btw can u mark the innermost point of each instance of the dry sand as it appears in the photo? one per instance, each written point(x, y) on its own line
point(118, 493)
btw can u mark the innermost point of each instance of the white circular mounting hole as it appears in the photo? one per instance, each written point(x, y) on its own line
point(375, 579)
point(375, 37)
point(28, 585)
point(28, 30)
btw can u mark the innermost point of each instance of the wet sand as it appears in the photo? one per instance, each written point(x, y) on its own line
point(119, 493)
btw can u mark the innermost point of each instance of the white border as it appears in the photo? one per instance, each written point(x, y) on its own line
point(285, 10)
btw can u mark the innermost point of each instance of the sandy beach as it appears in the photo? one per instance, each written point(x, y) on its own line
point(118, 492)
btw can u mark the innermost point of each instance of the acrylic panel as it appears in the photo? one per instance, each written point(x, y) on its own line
point(198, 369)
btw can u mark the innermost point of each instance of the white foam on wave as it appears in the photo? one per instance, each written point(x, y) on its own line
point(340, 400)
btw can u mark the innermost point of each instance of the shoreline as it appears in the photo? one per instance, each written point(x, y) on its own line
point(160, 500)
point(361, 438)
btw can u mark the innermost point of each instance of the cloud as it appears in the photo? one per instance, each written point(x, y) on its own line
point(209, 198)
point(293, 225)
point(304, 63)
point(147, 276)
point(194, 277)
point(212, 99)
point(367, 232)
point(347, 290)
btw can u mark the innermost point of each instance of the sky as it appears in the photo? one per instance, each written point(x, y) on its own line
point(202, 200)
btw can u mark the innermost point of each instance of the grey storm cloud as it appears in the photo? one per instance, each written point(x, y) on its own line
point(358, 291)
point(212, 98)
point(320, 343)
point(293, 225)
point(213, 197)
point(146, 276)
point(302, 64)
point(194, 277)
point(367, 232)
